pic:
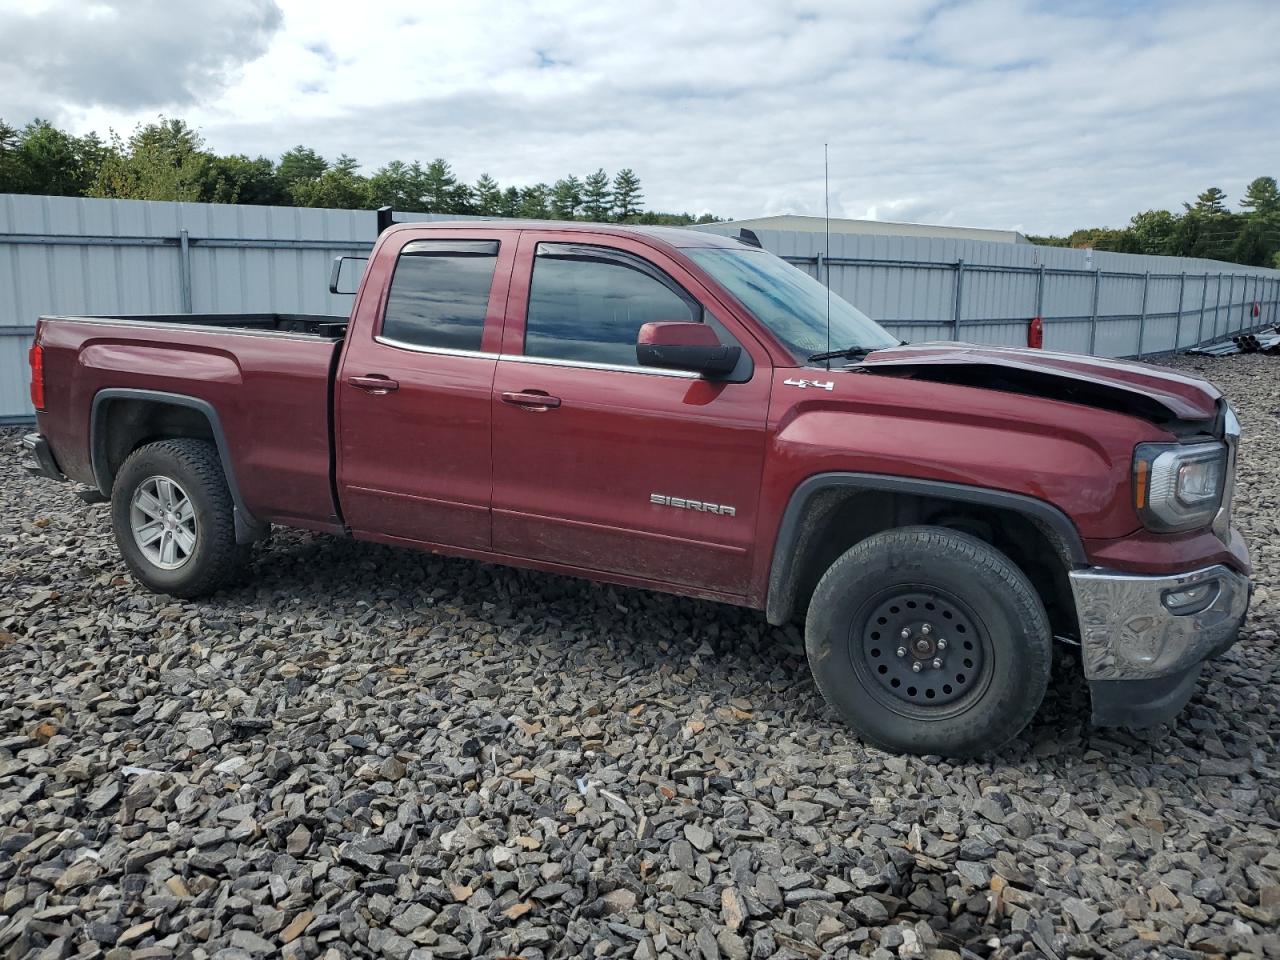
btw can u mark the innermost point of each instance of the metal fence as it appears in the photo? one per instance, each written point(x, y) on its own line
point(69, 255)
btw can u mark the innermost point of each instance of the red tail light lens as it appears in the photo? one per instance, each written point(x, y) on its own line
point(35, 356)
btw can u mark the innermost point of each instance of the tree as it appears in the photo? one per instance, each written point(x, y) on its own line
point(1212, 202)
point(487, 196)
point(596, 198)
point(12, 172)
point(340, 188)
point(44, 159)
point(1262, 196)
point(301, 163)
point(438, 183)
point(533, 201)
point(400, 186)
point(237, 179)
point(1153, 231)
point(1252, 246)
point(510, 206)
point(626, 195)
point(164, 160)
point(566, 198)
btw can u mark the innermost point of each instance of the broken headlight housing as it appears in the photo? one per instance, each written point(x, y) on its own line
point(1178, 487)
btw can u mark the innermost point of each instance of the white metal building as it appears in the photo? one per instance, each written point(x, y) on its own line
point(875, 228)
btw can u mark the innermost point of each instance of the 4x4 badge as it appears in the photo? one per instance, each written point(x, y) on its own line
point(820, 384)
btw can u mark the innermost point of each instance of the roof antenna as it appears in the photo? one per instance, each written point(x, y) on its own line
point(826, 250)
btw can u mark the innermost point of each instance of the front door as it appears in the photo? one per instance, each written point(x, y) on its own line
point(414, 393)
point(605, 465)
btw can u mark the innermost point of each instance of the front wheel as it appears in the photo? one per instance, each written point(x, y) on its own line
point(930, 641)
point(174, 518)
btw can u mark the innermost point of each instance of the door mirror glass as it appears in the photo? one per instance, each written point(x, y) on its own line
point(345, 274)
point(685, 346)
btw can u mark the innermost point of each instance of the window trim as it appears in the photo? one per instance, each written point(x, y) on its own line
point(440, 247)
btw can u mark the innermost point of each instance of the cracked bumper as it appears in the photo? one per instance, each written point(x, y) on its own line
point(1143, 639)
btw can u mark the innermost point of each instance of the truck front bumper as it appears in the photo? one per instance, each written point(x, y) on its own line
point(1143, 639)
point(42, 462)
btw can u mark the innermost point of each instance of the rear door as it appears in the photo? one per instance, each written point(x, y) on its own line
point(624, 469)
point(414, 392)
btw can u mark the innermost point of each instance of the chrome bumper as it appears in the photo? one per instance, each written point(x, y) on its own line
point(1144, 628)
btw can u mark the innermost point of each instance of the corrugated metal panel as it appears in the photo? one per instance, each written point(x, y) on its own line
point(907, 282)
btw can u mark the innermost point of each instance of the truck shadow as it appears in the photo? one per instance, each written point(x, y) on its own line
point(715, 653)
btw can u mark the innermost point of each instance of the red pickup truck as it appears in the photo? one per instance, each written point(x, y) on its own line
point(688, 413)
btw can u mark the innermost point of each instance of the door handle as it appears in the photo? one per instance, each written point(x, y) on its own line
point(531, 400)
point(375, 384)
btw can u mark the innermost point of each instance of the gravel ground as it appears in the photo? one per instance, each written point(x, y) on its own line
point(365, 751)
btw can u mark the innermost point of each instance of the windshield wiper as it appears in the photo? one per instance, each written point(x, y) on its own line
point(848, 353)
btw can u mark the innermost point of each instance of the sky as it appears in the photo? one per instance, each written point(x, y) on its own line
point(1036, 115)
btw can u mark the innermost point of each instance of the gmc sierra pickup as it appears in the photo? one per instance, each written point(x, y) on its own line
point(670, 409)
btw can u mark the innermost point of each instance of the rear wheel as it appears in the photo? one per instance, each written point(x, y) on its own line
point(174, 518)
point(927, 640)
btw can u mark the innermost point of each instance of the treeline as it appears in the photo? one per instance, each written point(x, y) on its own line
point(1206, 228)
point(168, 160)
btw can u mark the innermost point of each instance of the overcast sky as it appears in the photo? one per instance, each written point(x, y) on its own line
point(1040, 116)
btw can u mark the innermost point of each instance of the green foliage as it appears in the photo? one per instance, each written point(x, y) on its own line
point(42, 156)
point(301, 163)
point(1262, 197)
point(1212, 202)
point(566, 198)
point(487, 196)
point(626, 195)
point(168, 160)
point(597, 201)
point(1205, 229)
point(164, 160)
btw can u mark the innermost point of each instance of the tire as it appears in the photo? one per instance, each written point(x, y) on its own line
point(984, 657)
point(196, 553)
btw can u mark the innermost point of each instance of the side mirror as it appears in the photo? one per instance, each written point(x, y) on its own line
point(685, 346)
point(345, 274)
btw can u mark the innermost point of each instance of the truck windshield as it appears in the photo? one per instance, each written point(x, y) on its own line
point(789, 302)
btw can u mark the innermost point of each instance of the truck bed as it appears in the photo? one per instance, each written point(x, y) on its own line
point(265, 378)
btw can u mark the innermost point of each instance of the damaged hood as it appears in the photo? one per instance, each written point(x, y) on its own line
point(1154, 393)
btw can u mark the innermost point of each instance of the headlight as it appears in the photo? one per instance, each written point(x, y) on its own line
point(1178, 487)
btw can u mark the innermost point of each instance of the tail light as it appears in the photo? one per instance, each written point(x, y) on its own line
point(35, 356)
point(1035, 333)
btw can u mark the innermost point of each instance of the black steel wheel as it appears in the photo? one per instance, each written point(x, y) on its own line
point(927, 640)
point(921, 653)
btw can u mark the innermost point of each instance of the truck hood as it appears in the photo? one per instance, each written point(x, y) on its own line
point(1153, 393)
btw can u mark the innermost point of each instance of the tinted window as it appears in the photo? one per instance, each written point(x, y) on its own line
point(440, 293)
point(586, 305)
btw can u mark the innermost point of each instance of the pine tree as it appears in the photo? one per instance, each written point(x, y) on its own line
point(533, 201)
point(488, 196)
point(510, 202)
point(1262, 196)
point(1212, 202)
point(439, 185)
point(566, 198)
point(596, 198)
point(300, 163)
point(626, 195)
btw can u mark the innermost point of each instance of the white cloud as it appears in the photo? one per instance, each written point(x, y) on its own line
point(993, 113)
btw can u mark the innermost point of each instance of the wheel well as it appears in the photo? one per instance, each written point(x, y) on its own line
point(123, 425)
point(838, 518)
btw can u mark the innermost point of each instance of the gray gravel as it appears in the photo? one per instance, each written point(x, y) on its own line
point(365, 751)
